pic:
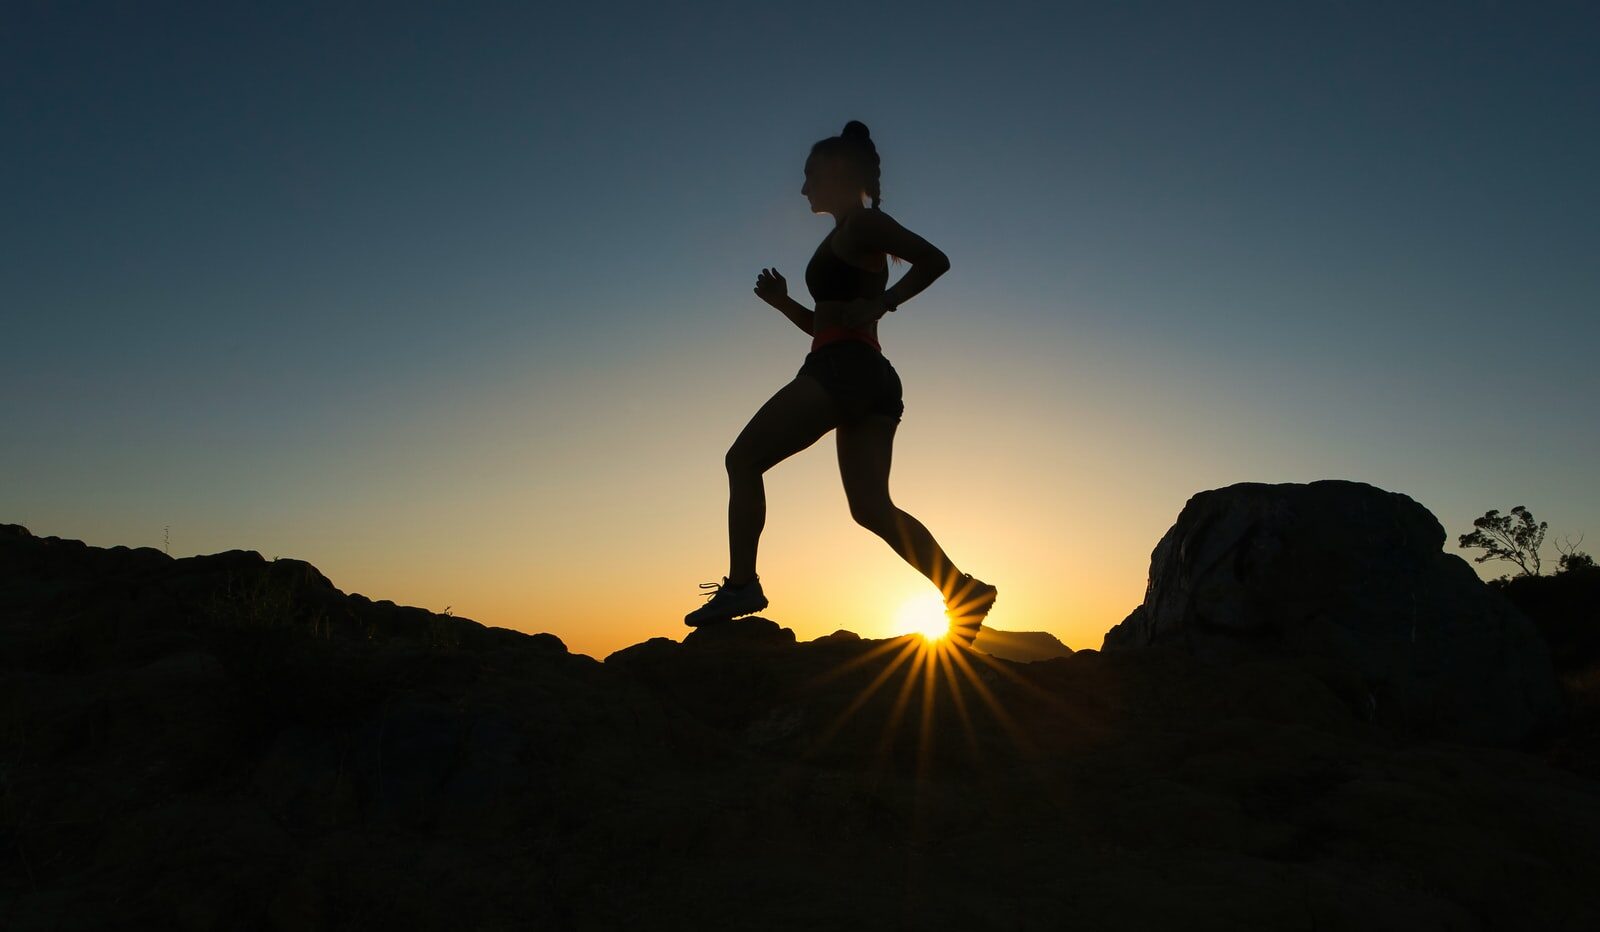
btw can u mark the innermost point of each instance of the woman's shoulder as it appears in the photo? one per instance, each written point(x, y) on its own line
point(857, 233)
point(867, 224)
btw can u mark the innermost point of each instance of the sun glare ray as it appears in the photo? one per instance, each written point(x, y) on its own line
point(1017, 735)
point(901, 699)
point(925, 654)
point(930, 681)
point(866, 657)
point(910, 648)
point(1004, 669)
point(960, 703)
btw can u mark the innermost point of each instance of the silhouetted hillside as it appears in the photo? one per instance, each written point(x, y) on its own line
point(225, 742)
point(1566, 607)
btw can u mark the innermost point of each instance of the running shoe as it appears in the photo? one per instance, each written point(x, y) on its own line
point(967, 606)
point(727, 602)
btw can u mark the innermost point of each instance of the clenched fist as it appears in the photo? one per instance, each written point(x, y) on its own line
point(771, 288)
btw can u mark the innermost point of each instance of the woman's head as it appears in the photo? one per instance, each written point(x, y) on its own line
point(841, 169)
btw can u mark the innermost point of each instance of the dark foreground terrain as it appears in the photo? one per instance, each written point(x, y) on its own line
point(226, 742)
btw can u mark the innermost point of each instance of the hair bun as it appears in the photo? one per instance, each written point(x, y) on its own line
point(855, 129)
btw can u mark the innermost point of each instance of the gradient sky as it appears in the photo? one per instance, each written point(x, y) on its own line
point(455, 303)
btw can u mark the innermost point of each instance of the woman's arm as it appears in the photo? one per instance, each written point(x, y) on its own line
point(876, 231)
point(803, 317)
point(773, 289)
point(921, 275)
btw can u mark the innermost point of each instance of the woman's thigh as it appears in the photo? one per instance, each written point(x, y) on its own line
point(795, 417)
point(866, 448)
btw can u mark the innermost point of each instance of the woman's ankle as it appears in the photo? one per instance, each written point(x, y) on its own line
point(957, 585)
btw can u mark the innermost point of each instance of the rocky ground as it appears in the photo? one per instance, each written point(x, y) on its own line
point(225, 742)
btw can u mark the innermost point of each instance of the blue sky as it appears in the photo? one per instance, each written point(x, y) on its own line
point(454, 301)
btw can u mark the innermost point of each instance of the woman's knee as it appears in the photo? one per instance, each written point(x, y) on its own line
point(877, 515)
point(738, 461)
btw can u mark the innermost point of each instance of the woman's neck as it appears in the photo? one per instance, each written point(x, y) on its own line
point(843, 215)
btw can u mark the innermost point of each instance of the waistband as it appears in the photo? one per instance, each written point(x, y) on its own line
point(829, 336)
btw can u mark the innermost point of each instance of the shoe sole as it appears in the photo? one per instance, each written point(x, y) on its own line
point(717, 619)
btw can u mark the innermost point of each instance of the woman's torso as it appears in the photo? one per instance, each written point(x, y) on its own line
point(834, 282)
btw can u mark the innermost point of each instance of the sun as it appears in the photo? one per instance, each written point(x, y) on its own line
point(923, 614)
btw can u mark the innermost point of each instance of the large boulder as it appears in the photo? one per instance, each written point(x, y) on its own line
point(1354, 579)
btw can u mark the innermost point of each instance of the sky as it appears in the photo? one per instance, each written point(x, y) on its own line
point(454, 301)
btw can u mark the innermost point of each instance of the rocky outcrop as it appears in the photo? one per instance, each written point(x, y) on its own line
point(224, 742)
point(1352, 579)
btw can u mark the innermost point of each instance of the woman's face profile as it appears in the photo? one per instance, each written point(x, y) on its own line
point(830, 185)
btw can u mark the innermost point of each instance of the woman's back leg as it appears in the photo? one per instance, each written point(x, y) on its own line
point(866, 449)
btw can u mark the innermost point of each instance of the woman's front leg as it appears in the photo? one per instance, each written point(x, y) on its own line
point(794, 418)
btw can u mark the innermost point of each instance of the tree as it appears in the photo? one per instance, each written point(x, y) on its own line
point(1574, 559)
point(1514, 537)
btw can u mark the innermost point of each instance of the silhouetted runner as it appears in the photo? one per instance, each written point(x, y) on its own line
point(845, 382)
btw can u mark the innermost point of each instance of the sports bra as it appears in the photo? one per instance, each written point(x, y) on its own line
point(830, 278)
